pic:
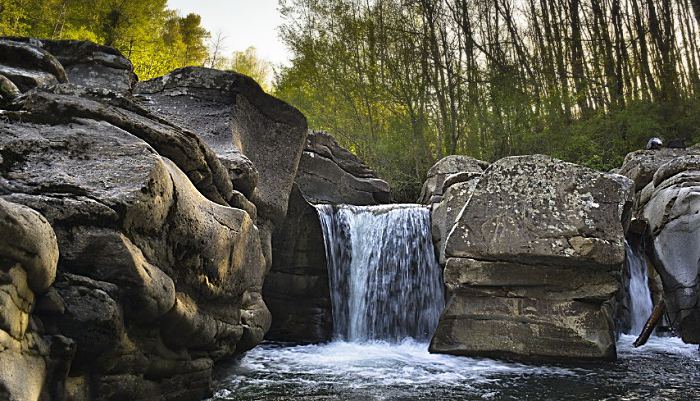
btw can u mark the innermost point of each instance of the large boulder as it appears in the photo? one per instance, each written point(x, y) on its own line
point(533, 262)
point(161, 263)
point(329, 173)
point(669, 205)
point(258, 138)
point(446, 172)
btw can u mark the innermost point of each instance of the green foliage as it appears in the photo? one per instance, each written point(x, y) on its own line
point(248, 62)
point(156, 39)
point(403, 84)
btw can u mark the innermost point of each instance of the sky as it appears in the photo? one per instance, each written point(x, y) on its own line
point(243, 23)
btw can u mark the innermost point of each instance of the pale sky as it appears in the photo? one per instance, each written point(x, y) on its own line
point(244, 23)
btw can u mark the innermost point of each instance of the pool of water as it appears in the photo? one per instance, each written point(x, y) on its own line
point(664, 369)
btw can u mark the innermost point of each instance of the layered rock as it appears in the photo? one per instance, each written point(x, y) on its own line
point(24, 66)
point(533, 262)
point(82, 63)
point(297, 289)
point(161, 261)
point(329, 173)
point(668, 206)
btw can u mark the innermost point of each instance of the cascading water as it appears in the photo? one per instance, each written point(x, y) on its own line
point(385, 280)
point(640, 296)
point(386, 286)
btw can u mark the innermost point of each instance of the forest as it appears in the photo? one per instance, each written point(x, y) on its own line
point(403, 83)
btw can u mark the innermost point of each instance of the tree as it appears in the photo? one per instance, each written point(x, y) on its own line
point(248, 62)
point(403, 83)
point(156, 39)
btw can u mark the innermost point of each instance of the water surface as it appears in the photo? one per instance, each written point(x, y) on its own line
point(664, 369)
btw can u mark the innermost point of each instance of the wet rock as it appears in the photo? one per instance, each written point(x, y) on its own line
point(533, 262)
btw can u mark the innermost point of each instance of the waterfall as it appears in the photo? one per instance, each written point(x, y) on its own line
point(385, 281)
point(640, 296)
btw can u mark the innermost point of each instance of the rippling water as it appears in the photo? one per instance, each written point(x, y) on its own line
point(664, 369)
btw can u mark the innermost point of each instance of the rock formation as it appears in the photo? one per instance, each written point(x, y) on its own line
point(446, 172)
point(155, 224)
point(533, 262)
point(449, 184)
point(667, 185)
point(297, 290)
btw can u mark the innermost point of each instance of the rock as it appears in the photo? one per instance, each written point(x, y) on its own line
point(158, 277)
point(67, 103)
point(641, 165)
point(444, 214)
point(530, 211)
point(28, 258)
point(82, 63)
point(329, 173)
point(8, 90)
point(672, 213)
point(447, 172)
point(33, 244)
point(297, 289)
point(244, 126)
point(257, 137)
point(28, 65)
point(201, 100)
point(533, 262)
point(92, 65)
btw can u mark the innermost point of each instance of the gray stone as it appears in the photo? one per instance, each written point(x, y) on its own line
point(533, 261)
point(672, 213)
point(297, 289)
point(244, 126)
point(329, 173)
point(539, 210)
point(446, 172)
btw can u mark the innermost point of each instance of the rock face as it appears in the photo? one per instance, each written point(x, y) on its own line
point(533, 262)
point(297, 289)
point(82, 63)
point(328, 173)
point(161, 261)
point(446, 172)
point(448, 187)
point(245, 127)
point(668, 205)
point(28, 258)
